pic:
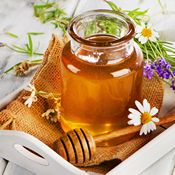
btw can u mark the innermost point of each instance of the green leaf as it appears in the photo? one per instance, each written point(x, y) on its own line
point(51, 12)
point(113, 6)
point(16, 50)
point(36, 53)
point(11, 34)
point(136, 14)
point(38, 8)
point(36, 61)
point(19, 48)
point(11, 68)
point(29, 48)
point(30, 44)
point(33, 63)
point(35, 33)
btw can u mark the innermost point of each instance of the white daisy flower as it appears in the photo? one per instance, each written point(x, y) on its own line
point(145, 33)
point(143, 116)
point(32, 98)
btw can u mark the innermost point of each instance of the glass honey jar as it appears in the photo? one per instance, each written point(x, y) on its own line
point(101, 70)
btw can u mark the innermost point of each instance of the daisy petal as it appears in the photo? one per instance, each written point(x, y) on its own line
point(146, 105)
point(153, 39)
point(28, 102)
point(143, 25)
point(131, 116)
point(139, 106)
point(143, 130)
point(155, 119)
point(149, 25)
point(138, 29)
point(148, 127)
point(131, 122)
point(135, 119)
point(138, 35)
point(135, 122)
point(152, 125)
point(135, 112)
point(156, 34)
point(154, 111)
point(143, 39)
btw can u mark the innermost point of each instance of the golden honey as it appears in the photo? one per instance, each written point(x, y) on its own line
point(100, 81)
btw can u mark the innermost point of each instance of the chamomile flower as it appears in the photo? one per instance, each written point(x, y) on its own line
point(53, 115)
point(143, 116)
point(32, 98)
point(145, 32)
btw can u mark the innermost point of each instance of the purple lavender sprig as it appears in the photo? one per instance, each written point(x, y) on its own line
point(163, 70)
point(148, 71)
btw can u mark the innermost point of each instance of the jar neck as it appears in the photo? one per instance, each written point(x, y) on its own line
point(102, 36)
point(102, 55)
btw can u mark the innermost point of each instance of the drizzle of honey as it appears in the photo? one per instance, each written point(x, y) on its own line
point(97, 91)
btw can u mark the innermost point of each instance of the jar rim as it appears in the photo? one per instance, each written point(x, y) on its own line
point(128, 36)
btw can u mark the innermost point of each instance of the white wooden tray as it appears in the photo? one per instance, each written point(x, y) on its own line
point(13, 143)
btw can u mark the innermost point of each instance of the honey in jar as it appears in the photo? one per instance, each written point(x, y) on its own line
point(101, 70)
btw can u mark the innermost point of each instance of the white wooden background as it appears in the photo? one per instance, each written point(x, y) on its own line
point(16, 16)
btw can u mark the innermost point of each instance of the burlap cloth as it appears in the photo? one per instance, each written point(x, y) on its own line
point(47, 79)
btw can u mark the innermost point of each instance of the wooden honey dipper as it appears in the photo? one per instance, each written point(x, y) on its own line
point(78, 146)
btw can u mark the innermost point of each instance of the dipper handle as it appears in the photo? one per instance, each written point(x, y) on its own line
point(129, 130)
point(78, 146)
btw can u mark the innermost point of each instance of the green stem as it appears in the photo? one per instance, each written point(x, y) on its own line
point(160, 49)
point(158, 52)
point(36, 61)
point(155, 56)
point(11, 68)
point(146, 51)
point(25, 52)
point(33, 63)
point(36, 53)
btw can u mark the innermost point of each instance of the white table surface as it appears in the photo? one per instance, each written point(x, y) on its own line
point(16, 16)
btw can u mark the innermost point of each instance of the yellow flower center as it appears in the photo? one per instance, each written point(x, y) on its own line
point(147, 32)
point(146, 118)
